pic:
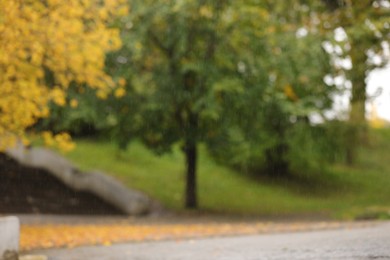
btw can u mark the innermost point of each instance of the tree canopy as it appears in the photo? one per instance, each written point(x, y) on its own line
point(44, 47)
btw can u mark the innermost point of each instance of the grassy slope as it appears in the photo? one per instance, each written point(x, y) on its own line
point(341, 192)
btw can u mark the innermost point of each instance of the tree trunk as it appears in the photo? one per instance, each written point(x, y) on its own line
point(276, 163)
point(358, 78)
point(191, 155)
point(357, 119)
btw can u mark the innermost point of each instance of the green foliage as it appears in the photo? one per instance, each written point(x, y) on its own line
point(308, 148)
point(265, 123)
point(183, 59)
point(84, 118)
point(313, 148)
point(368, 213)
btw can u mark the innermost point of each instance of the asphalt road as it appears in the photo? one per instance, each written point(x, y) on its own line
point(360, 243)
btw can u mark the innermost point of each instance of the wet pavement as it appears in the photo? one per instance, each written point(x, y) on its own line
point(370, 242)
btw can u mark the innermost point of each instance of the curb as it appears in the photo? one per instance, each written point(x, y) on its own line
point(9, 238)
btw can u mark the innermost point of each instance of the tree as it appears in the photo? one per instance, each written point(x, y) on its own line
point(292, 88)
point(185, 58)
point(207, 71)
point(366, 24)
point(45, 47)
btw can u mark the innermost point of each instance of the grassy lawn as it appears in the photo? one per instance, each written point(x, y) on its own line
point(340, 191)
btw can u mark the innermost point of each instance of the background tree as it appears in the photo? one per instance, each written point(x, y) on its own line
point(45, 46)
point(287, 88)
point(366, 24)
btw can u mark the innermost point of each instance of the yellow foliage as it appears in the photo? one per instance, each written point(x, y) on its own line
point(378, 123)
point(74, 103)
point(102, 94)
point(58, 96)
point(67, 39)
point(290, 93)
point(206, 11)
point(51, 236)
point(374, 120)
point(120, 92)
point(62, 140)
point(122, 82)
point(48, 138)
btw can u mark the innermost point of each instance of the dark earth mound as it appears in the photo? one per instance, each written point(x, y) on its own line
point(26, 190)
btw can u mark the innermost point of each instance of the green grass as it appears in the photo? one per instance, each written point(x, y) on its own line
point(340, 191)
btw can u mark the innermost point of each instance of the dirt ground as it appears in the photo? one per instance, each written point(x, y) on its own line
point(25, 190)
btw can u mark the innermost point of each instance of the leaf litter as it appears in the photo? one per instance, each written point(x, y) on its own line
point(43, 236)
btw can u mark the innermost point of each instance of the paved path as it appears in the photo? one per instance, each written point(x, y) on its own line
point(360, 243)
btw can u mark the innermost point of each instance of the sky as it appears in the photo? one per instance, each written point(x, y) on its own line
point(379, 83)
point(378, 92)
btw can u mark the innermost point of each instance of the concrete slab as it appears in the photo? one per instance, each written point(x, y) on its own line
point(130, 201)
point(9, 237)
